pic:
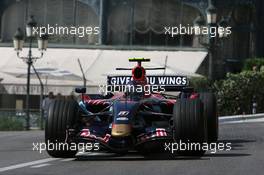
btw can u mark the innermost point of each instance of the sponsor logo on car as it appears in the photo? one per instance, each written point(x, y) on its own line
point(152, 80)
point(123, 113)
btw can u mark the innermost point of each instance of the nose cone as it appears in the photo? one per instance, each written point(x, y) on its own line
point(121, 130)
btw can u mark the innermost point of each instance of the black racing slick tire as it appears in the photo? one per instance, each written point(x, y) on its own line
point(189, 127)
point(61, 115)
point(210, 112)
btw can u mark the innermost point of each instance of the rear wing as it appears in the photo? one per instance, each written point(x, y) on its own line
point(169, 83)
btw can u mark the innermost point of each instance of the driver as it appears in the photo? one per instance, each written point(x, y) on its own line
point(137, 86)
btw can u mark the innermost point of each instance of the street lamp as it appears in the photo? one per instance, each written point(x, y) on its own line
point(211, 14)
point(198, 24)
point(30, 25)
point(18, 40)
point(211, 20)
point(223, 24)
point(29, 59)
point(43, 42)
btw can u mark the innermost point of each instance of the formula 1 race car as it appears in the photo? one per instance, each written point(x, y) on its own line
point(135, 114)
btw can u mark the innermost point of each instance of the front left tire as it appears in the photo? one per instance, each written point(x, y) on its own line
point(210, 112)
point(189, 126)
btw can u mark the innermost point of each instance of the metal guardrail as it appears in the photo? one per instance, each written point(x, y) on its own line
point(224, 119)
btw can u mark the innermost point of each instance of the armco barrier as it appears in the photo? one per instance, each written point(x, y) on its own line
point(233, 118)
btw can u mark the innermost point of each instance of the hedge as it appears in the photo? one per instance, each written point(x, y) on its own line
point(201, 84)
point(236, 92)
point(254, 62)
point(10, 124)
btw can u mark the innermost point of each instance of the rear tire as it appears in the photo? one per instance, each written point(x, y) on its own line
point(189, 125)
point(61, 115)
point(210, 112)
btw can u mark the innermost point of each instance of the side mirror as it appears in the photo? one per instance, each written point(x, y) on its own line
point(80, 90)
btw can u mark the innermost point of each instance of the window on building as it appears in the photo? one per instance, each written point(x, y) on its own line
point(143, 22)
point(65, 13)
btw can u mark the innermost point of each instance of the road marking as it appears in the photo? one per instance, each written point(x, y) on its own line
point(80, 153)
point(21, 165)
point(40, 165)
point(66, 160)
point(95, 154)
point(89, 153)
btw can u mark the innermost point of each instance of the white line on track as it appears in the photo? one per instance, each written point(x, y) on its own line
point(95, 154)
point(21, 165)
point(66, 160)
point(40, 165)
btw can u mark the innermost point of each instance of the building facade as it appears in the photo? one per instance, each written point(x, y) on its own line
point(140, 23)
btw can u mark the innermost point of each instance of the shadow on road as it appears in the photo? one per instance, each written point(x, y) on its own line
point(236, 141)
point(227, 155)
point(236, 144)
point(135, 157)
point(157, 157)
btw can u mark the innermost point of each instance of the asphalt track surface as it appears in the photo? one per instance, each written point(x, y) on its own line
point(246, 157)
